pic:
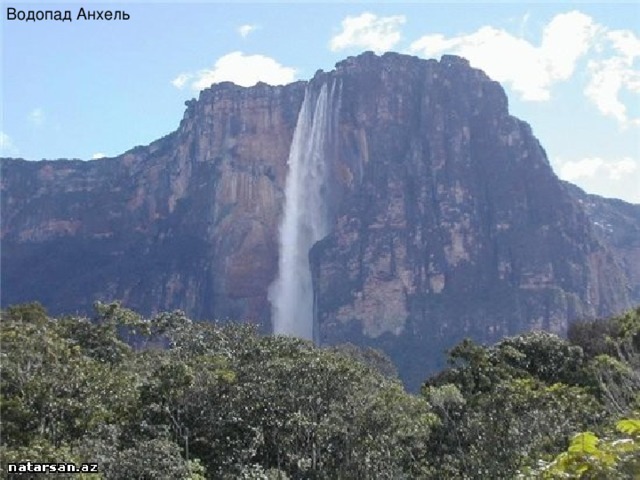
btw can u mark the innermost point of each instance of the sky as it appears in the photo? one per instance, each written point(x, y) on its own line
point(88, 89)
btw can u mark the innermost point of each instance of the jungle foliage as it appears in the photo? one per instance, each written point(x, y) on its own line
point(169, 398)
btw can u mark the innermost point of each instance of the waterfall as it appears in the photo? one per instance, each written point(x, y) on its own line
point(305, 219)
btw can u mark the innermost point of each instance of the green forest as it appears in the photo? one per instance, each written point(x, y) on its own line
point(170, 398)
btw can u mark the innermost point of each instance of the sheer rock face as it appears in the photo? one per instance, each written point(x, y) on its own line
point(189, 222)
point(447, 218)
point(617, 225)
point(456, 225)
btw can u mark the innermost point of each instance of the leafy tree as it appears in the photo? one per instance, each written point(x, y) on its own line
point(167, 397)
point(615, 365)
point(617, 455)
point(502, 407)
point(544, 356)
point(593, 336)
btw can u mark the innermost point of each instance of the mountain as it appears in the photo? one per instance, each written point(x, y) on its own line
point(617, 224)
point(441, 216)
point(188, 222)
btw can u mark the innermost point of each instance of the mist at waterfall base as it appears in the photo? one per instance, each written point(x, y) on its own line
point(305, 218)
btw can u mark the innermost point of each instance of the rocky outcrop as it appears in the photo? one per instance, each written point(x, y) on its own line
point(447, 219)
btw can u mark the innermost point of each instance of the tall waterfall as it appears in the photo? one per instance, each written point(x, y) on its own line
point(305, 219)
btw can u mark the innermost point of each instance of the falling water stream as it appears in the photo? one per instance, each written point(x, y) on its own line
point(305, 219)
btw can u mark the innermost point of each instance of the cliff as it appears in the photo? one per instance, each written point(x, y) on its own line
point(457, 226)
point(188, 222)
point(617, 225)
point(446, 219)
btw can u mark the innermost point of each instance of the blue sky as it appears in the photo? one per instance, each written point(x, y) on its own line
point(90, 88)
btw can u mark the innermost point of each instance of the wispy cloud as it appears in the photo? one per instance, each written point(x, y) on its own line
point(36, 117)
point(604, 176)
point(181, 80)
point(244, 70)
point(98, 155)
point(596, 166)
point(245, 30)
point(7, 147)
point(615, 74)
point(524, 25)
point(370, 32)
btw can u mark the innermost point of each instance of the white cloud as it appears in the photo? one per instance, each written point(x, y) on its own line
point(626, 44)
point(241, 69)
point(245, 30)
point(98, 155)
point(529, 69)
point(621, 168)
point(7, 146)
point(566, 38)
point(608, 78)
point(611, 178)
point(614, 74)
point(591, 167)
point(181, 80)
point(502, 56)
point(36, 117)
point(586, 167)
point(369, 32)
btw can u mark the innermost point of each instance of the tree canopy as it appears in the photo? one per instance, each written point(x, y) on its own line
point(170, 398)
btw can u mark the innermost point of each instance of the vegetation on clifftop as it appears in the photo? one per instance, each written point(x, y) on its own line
point(169, 398)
